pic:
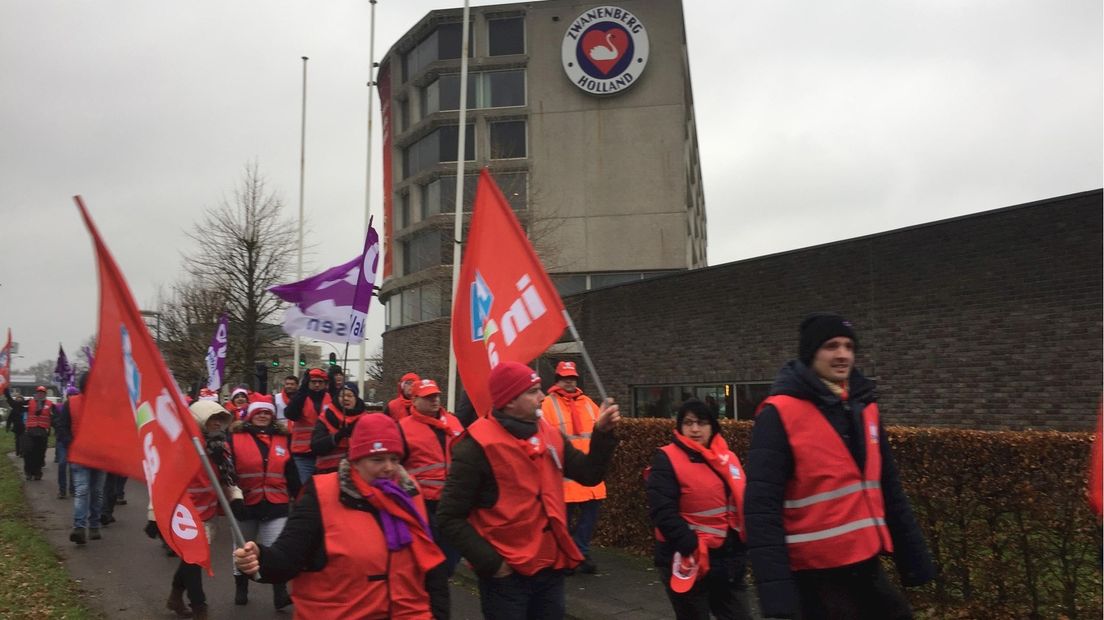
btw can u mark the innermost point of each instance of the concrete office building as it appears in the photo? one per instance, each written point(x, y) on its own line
point(584, 114)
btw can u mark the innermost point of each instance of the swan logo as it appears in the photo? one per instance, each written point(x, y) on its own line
point(605, 50)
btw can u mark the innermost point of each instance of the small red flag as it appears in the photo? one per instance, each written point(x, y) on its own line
point(1096, 466)
point(133, 417)
point(5, 364)
point(506, 307)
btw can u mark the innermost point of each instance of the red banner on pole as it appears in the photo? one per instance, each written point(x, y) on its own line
point(506, 307)
point(133, 419)
point(5, 364)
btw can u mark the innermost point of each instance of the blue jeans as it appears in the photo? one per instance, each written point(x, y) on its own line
point(305, 464)
point(584, 516)
point(61, 457)
point(87, 496)
point(537, 597)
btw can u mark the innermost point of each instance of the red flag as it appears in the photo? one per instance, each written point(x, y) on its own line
point(506, 307)
point(1096, 466)
point(5, 364)
point(134, 420)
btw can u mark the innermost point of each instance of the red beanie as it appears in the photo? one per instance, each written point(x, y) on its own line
point(374, 434)
point(508, 380)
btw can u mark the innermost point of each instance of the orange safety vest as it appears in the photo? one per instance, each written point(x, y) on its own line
point(203, 496)
point(39, 418)
point(557, 410)
point(833, 514)
point(527, 526)
point(324, 463)
point(303, 428)
point(361, 579)
point(261, 477)
point(705, 502)
point(425, 459)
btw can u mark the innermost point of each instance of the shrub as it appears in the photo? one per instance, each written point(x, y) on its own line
point(1004, 514)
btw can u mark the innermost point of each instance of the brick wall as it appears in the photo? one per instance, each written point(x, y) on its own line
point(989, 321)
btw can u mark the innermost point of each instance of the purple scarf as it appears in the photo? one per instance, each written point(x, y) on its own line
point(395, 531)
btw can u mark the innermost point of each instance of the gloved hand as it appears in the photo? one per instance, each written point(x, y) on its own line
point(151, 529)
point(344, 432)
point(237, 507)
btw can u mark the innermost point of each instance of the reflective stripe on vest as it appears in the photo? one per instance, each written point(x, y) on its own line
point(425, 468)
point(827, 495)
point(705, 500)
point(563, 426)
point(573, 491)
point(833, 514)
point(835, 531)
point(426, 459)
point(39, 418)
point(303, 428)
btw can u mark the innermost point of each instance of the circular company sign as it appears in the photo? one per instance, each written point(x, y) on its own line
point(605, 50)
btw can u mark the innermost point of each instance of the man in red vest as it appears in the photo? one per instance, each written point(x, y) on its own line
point(40, 415)
point(503, 502)
point(399, 407)
point(309, 402)
point(823, 498)
point(574, 413)
point(428, 435)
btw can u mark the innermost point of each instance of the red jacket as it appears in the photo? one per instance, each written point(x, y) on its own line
point(710, 505)
point(303, 428)
point(39, 418)
point(361, 579)
point(527, 526)
point(833, 514)
point(261, 477)
point(426, 459)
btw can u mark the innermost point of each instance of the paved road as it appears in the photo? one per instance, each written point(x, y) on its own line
point(128, 575)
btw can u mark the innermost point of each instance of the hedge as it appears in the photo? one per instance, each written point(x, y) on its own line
point(1004, 514)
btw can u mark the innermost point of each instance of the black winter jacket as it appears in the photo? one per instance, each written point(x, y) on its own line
point(770, 465)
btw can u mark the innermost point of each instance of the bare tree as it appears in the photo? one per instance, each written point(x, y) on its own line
point(189, 313)
point(246, 246)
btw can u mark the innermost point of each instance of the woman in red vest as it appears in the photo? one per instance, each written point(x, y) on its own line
point(268, 479)
point(695, 501)
point(330, 440)
point(239, 402)
point(357, 544)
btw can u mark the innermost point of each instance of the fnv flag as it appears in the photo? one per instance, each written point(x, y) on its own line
point(5, 364)
point(216, 355)
point(506, 307)
point(134, 420)
point(332, 305)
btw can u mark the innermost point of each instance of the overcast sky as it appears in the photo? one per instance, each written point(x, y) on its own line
point(817, 121)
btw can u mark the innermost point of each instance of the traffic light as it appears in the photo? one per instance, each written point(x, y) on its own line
point(303, 360)
point(275, 361)
point(333, 359)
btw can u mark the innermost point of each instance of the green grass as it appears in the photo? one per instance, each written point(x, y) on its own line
point(33, 579)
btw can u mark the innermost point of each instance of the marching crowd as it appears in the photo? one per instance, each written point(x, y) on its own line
point(355, 511)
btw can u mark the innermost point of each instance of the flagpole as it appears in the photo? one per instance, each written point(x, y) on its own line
point(302, 179)
point(586, 356)
point(239, 539)
point(458, 225)
point(367, 176)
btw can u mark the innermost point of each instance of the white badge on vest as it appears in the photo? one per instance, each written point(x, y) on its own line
point(280, 451)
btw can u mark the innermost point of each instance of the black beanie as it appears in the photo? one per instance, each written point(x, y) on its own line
point(819, 327)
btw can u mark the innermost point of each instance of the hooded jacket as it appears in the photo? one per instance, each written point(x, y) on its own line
point(770, 465)
point(399, 407)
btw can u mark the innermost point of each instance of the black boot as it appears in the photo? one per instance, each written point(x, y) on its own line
point(280, 596)
point(176, 603)
point(241, 590)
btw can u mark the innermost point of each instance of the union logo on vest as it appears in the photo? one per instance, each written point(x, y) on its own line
point(605, 50)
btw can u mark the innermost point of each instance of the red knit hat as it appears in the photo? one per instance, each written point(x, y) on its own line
point(374, 434)
point(508, 380)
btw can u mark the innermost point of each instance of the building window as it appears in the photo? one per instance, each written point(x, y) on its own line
point(729, 400)
point(394, 311)
point(404, 212)
point(569, 285)
point(612, 279)
point(508, 140)
point(421, 251)
point(493, 89)
point(506, 36)
point(430, 302)
point(441, 44)
point(435, 147)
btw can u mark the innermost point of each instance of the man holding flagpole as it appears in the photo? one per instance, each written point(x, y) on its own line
point(503, 502)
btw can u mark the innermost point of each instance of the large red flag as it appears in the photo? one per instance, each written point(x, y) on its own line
point(5, 364)
point(506, 307)
point(134, 420)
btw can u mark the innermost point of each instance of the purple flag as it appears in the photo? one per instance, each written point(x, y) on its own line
point(216, 355)
point(63, 371)
point(332, 305)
